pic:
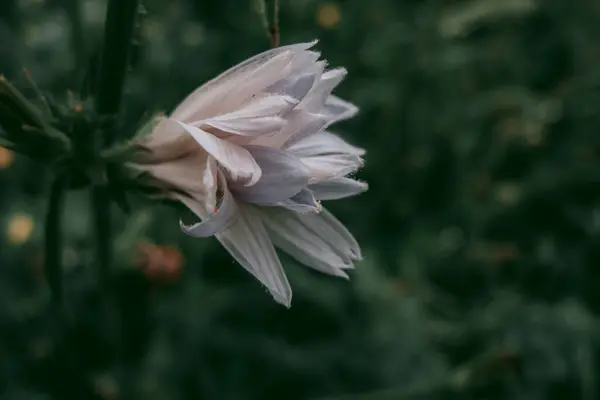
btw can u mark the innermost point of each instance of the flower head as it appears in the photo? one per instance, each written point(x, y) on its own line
point(248, 152)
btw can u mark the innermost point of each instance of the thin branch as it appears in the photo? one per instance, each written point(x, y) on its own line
point(275, 26)
point(272, 29)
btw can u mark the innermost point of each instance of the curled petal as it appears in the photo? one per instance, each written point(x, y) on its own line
point(238, 162)
point(225, 215)
point(248, 242)
point(283, 176)
point(338, 188)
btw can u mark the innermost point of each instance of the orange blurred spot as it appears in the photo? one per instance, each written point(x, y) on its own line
point(328, 15)
point(160, 263)
point(6, 157)
point(20, 228)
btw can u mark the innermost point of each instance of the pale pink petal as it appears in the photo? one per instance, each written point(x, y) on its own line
point(337, 109)
point(238, 162)
point(331, 166)
point(248, 242)
point(338, 188)
point(300, 81)
point(283, 176)
point(261, 116)
point(235, 86)
point(195, 174)
point(303, 202)
point(321, 143)
point(338, 237)
point(299, 124)
point(289, 233)
point(168, 141)
point(215, 222)
point(315, 100)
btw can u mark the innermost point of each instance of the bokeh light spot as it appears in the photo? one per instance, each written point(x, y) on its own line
point(20, 228)
point(328, 15)
point(6, 158)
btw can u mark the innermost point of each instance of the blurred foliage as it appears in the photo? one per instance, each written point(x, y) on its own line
point(480, 229)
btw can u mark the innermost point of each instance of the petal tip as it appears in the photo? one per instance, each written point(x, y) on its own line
point(283, 299)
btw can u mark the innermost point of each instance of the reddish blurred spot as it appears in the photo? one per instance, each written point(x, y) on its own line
point(78, 108)
point(160, 263)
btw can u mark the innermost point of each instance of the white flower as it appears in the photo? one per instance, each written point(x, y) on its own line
point(248, 153)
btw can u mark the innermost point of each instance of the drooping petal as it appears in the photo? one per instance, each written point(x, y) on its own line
point(338, 188)
point(235, 86)
point(235, 159)
point(303, 202)
point(248, 242)
point(337, 109)
point(321, 143)
point(291, 234)
point(331, 230)
point(283, 176)
point(225, 214)
point(331, 166)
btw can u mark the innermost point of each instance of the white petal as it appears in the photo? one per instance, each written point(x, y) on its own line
point(338, 188)
point(303, 202)
point(248, 242)
point(299, 124)
point(337, 236)
point(338, 110)
point(220, 220)
point(315, 100)
point(331, 166)
point(194, 174)
point(321, 143)
point(283, 176)
point(235, 86)
point(291, 235)
point(263, 115)
point(236, 160)
point(301, 80)
point(168, 141)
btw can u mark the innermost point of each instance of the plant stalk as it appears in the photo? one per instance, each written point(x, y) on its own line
point(53, 241)
point(114, 63)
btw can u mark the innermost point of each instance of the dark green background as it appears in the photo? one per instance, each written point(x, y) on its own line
point(480, 229)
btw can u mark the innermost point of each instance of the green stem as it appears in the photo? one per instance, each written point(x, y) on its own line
point(73, 8)
point(118, 32)
point(118, 36)
point(103, 233)
point(53, 241)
